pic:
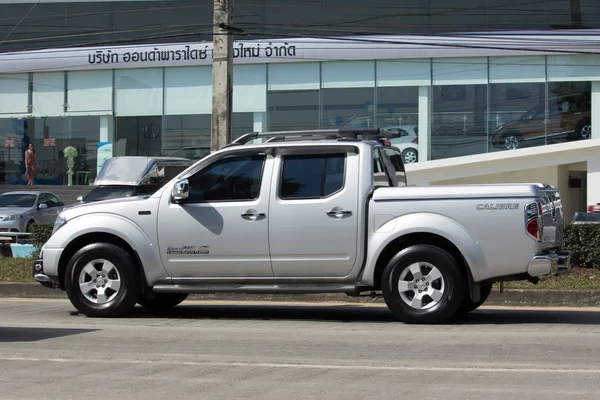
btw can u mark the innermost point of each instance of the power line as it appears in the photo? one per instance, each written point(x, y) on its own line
point(19, 23)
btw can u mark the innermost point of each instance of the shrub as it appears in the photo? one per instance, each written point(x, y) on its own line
point(40, 233)
point(583, 241)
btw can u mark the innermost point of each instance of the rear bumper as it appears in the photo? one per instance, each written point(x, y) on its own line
point(555, 263)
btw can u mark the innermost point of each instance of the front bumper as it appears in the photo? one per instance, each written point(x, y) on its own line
point(14, 225)
point(39, 275)
point(554, 263)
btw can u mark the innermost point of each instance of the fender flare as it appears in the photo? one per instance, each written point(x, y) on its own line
point(107, 223)
point(431, 223)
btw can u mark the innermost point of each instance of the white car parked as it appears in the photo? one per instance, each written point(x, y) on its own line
point(407, 142)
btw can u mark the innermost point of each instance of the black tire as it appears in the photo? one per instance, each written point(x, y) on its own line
point(470, 305)
point(123, 299)
point(161, 301)
point(410, 156)
point(28, 227)
point(584, 130)
point(453, 290)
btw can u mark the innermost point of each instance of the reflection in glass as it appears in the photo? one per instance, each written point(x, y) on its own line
point(517, 115)
point(49, 136)
point(348, 108)
point(186, 136)
point(138, 136)
point(293, 110)
point(458, 126)
point(569, 111)
point(398, 112)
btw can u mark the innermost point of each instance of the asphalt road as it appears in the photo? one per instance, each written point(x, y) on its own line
point(292, 351)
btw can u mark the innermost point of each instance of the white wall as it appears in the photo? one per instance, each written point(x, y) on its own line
point(552, 164)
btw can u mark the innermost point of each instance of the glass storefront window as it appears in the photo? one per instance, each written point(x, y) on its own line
point(242, 123)
point(49, 137)
point(458, 126)
point(398, 112)
point(186, 136)
point(517, 115)
point(348, 108)
point(138, 136)
point(569, 111)
point(293, 110)
point(459, 107)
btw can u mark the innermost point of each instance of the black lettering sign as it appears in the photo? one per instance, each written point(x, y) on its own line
point(188, 53)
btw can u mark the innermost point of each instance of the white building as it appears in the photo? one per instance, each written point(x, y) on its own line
point(503, 106)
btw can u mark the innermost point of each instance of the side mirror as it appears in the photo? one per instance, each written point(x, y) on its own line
point(42, 206)
point(80, 199)
point(180, 191)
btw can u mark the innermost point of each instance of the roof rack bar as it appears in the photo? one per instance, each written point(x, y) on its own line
point(351, 133)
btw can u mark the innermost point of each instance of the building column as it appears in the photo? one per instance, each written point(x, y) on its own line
point(260, 121)
point(107, 131)
point(424, 122)
point(595, 109)
point(593, 180)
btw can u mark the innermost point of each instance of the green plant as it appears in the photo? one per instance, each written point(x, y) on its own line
point(583, 241)
point(40, 233)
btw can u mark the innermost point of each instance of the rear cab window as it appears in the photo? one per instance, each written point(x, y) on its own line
point(312, 176)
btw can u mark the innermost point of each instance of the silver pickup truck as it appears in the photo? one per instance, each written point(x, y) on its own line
point(306, 212)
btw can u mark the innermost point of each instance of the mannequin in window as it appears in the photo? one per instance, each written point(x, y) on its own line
point(30, 164)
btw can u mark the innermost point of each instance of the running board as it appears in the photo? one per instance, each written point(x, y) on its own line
point(254, 288)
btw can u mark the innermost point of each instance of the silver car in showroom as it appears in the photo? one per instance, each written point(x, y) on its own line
point(20, 209)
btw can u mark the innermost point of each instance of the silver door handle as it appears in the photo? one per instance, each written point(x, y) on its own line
point(253, 216)
point(339, 213)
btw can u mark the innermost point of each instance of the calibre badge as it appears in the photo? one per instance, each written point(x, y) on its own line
point(188, 250)
point(498, 206)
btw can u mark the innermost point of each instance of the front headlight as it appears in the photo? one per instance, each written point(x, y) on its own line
point(60, 221)
point(13, 217)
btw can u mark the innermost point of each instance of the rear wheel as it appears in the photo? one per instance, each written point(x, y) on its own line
point(102, 280)
point(423, 284)
point(410, 156)
point(161, 301)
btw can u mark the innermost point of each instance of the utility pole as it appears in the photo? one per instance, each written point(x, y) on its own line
point(222, 74)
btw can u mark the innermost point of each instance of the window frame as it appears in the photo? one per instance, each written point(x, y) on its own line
point(312, 151)
point(246, 153)
point(387, 167)
point(53, 198)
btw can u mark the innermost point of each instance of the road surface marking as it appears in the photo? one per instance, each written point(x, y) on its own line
point(310, 366)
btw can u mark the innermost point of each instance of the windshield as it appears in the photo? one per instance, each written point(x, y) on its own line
point(109, 192)
point(17, 200)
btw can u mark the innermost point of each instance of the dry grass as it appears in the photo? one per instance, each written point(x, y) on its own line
point(19, 270)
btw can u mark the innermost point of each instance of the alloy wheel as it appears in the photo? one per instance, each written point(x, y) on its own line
point(421, 285)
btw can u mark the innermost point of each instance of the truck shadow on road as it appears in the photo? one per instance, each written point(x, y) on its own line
point(351, 313)
point(18, 334)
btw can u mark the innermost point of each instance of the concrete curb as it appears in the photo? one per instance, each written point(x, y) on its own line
point(513, 297)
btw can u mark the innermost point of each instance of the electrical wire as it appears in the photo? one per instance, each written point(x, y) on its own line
point(19, 23)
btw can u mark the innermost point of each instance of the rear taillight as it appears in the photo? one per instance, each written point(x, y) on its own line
point(594, 208)
point(534, 223)
point(415, 140)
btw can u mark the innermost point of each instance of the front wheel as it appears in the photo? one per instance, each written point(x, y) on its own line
point(102, 280)
point(423, 284)
point(511, 141)
point(161, 301)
